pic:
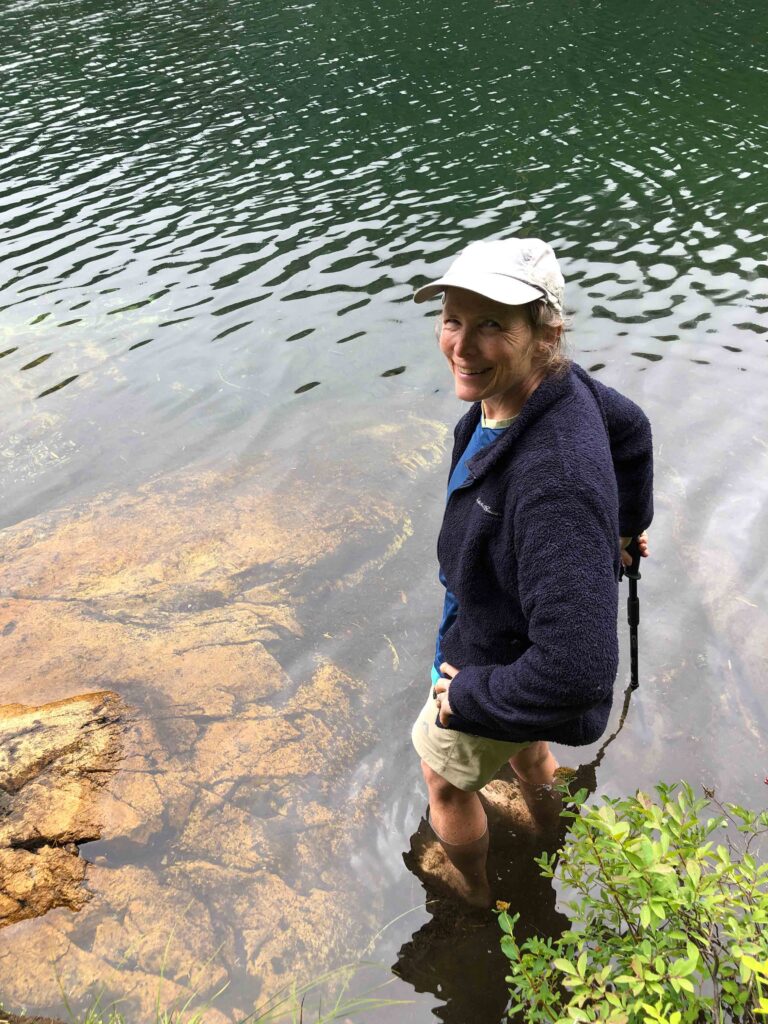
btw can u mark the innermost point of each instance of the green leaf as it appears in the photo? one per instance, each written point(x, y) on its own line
point(682, 968)
point(643, 847)
point(653, 1013)
point(645, 915)
point(756, 967)
point(620, 830)
point(634, 859)
point(658, 909)
point(607, 814)
point(565, 966)
point(662, 869)
point(578, 1015)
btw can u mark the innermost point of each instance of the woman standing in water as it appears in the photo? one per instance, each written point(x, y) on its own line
point(550, 478)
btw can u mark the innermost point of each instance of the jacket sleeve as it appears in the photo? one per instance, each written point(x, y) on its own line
point(567, 555)
point(629, 433)
point(632, 452)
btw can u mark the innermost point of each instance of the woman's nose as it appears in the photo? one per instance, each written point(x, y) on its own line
point(462, 341)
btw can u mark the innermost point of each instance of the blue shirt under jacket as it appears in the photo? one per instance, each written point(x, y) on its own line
point(529, 547)
point(482, 436)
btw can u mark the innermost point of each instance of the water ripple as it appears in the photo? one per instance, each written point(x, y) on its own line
point(285, 175)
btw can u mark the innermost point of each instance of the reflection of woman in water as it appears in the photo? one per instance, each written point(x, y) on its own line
point(549, 468)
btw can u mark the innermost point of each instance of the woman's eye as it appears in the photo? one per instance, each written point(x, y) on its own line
point(494, 324)
point(450, 321)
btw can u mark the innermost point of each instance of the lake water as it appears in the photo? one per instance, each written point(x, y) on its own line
point(213, 218)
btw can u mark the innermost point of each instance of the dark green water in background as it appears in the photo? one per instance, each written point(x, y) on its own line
point(207, 207)
point(238, 188)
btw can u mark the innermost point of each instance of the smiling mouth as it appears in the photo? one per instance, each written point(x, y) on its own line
point(470, 373)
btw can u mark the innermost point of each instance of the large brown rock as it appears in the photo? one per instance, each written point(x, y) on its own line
point(54, 760)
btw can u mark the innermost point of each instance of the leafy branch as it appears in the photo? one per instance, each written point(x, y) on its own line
point(669, 917)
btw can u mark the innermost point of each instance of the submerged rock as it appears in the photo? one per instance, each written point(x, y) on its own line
point(228, 828)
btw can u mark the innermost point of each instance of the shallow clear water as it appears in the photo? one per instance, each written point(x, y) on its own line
point(213, 217)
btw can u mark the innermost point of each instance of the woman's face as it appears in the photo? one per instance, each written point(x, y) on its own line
point(490, 349)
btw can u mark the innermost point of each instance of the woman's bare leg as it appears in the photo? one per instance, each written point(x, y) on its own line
point(535, 767)
point(459, 822)
point(535, 764)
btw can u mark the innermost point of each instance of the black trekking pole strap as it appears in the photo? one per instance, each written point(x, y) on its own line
point(632, 573)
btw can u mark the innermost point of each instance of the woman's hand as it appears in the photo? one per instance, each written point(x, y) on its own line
point(642, 542)
point(441, 689)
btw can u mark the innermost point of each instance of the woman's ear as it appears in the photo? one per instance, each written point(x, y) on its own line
point(547, 341)
point(551, 335)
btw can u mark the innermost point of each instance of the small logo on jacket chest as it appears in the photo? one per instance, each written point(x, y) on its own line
point(487, 508)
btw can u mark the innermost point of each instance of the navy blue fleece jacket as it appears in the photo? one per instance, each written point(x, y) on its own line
point(530, 548)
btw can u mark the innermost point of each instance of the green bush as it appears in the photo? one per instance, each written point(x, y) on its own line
point(669, 911)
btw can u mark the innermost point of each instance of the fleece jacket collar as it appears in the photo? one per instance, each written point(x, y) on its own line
point(552, 389)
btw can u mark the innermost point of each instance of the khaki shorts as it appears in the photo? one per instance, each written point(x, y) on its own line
point(464, 760)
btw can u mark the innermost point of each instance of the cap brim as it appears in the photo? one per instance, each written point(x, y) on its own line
point(498, 287)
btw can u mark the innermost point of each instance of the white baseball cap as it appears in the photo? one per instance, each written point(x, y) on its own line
point(512, 271)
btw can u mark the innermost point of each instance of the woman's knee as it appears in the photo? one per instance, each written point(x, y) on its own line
point(530, 757)
point(442, 790)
